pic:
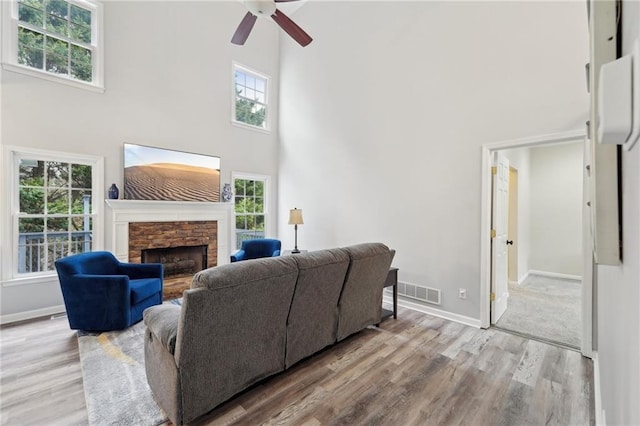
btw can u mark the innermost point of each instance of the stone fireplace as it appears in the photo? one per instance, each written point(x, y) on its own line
point(133, 226)
point(173, 242)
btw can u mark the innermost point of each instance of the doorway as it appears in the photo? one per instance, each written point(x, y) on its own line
point(533, 271)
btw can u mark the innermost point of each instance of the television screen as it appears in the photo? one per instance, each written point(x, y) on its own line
point(164, 174)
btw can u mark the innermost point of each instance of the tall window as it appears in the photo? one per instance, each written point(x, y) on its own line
point(56, 37)
point(54, 209)
point(250, 98)
point(250, 208)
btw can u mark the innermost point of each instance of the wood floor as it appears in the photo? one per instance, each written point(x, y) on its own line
point(416, 370)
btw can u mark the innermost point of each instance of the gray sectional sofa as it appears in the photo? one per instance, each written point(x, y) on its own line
point(245, 321)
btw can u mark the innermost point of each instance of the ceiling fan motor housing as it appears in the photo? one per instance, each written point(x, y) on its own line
point(261, 8)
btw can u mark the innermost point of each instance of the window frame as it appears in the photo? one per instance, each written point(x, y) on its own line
point(12, 156)
point(256, 74)
point(10, 25)
point(266, 180)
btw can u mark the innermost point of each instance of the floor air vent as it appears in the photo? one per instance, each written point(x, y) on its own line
point(426, 294)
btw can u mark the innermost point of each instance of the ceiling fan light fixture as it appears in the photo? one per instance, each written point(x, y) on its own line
point(261, 8)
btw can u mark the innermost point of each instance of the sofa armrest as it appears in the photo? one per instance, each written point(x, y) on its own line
point(162, 321)
point(141, 270)
point(239, 255)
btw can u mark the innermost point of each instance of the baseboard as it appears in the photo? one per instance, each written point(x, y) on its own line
point(597, 395)
point(473, 322)
point(36, 313)
point(523, 278)
point(554, 275)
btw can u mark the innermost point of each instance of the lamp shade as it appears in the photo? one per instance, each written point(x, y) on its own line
point(295, 217)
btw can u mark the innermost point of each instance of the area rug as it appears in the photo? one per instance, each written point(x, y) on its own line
point(115, 383)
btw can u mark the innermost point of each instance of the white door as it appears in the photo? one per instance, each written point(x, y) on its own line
point(499, 226)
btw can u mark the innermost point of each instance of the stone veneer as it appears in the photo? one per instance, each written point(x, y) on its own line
point(150, 235)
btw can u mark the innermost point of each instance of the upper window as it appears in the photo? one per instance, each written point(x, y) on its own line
point(250, 98)
point(57, 38)
point(54, 208)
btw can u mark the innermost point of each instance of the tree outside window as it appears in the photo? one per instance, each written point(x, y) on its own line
point(55, 36)
point(55, 212)
point(250, 98)
point(249, 210)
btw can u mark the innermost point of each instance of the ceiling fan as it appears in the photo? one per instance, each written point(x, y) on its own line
point(262, 9)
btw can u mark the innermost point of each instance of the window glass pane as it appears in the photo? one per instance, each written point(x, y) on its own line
point(261, 85)
point(80, 16)
point(250, 94)
point(80, 202)
point(251, 222)
point(250, 205)
point(239, 184)
point(80, 176)
point(81, 65)
point(259, 96)
point(259, 205)
point(57, 174)
point(30, 48)
point(250, 82)
point(57, 248)
point(58, 201)
point(240, 222)
point(30, 225)
point(260, 223)
point(57, 55)
point(250, 188)
point(240, 205)
point(59, 8)
point(240, 78)
point(31, 57)
point(80, 33)
point(259, 188)
point(31, 200)
point(31, 11)
point(57, 225)
point(80, 238)
point(57, 25)
point(31, 173)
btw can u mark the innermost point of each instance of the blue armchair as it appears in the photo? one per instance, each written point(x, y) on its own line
point(101, 293)
point(253, 249)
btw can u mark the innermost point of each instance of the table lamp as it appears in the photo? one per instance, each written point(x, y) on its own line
point(295, 219)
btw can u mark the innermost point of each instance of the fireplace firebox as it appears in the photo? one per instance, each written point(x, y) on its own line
point(177, 261)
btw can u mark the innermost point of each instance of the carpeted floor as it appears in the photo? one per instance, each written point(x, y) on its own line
point(546, 308)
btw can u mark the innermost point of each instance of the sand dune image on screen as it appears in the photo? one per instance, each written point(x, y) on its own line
point(173, 182)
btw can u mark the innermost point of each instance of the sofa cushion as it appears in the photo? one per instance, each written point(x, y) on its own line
point(246, 272)
point(143, 288)
point(313, 318)
point(361, 299)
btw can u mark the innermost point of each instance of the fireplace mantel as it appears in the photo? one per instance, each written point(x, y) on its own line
point(121, 212)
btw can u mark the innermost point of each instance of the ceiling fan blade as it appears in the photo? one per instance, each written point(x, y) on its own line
point(291, 28)
point(244, 29)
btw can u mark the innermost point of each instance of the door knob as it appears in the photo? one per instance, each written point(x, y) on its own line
point(509, 242)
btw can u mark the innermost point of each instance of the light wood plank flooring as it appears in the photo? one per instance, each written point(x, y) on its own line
point(416, 370)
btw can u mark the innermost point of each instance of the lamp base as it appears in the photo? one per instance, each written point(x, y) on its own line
point(295, 251)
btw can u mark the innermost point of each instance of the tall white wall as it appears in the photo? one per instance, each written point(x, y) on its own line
point(383, 117)
point(556, 209)
point(168, 78)
point(618, 289)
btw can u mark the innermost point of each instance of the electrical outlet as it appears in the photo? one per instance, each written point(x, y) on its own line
point(462, 293)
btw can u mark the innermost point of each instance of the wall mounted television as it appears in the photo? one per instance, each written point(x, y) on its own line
point(164, 174)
